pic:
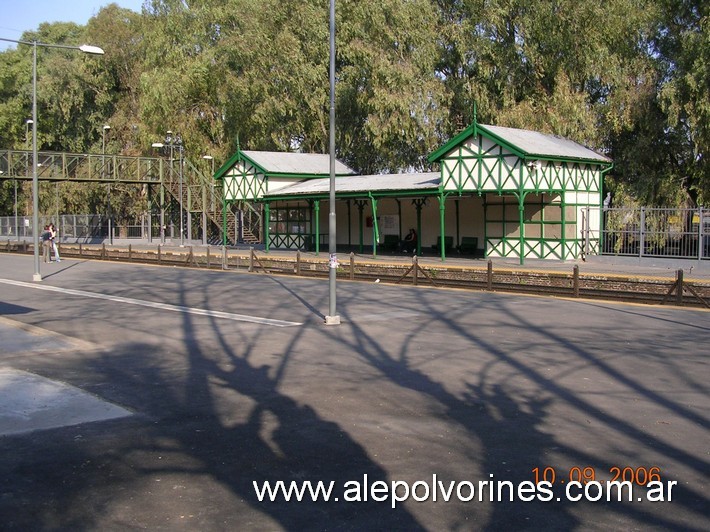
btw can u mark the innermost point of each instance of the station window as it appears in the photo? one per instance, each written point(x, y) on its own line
point(290, 221)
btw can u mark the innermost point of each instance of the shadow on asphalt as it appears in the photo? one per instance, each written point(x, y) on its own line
point(300, 444)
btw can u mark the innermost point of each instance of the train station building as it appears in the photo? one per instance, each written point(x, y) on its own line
point(499, 192)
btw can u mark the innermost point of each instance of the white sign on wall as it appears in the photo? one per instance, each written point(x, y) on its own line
point(389, 224)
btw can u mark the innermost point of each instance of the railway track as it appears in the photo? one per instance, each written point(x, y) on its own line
point(635, 289)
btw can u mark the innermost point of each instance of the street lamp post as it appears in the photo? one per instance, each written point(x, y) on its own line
point(175, 142)
point(28, 122)
point(332, 318)
point(85, 48)
point(104, 131)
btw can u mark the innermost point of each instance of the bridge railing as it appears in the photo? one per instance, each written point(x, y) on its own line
point(60, 166)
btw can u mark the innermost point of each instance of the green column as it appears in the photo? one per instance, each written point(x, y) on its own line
point(375, 228)
point(521, 211)
point(419, 204)
point(350, 225)
point(442, 213)
point(399, 217)
point(267, 220)
point(564, 226)
point(458, 223)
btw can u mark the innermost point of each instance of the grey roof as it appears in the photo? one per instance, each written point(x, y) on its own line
point(536, 143)
point(363, 183)
point(295, 163)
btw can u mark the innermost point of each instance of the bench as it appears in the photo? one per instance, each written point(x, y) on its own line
point(448, 244)
point(390, 243)
point(469, 244)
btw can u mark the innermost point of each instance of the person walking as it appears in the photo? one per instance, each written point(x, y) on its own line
point(46, 238)
point(53, 238)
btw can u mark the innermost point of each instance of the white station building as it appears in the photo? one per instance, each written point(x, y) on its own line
point(499, 192)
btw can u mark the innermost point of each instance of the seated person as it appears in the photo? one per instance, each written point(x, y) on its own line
point(409, 244)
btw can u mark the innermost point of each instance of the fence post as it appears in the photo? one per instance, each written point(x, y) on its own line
point(160, 259)
point(352, 266)
point(701, 236)
point(489, 276)
point(103, 250)
point(415, 278)
point(642, 232)
point(251, 259)
point(224, 257)
point(130, 253)
point(208, 257)
point(679, 288)
point(575, 280)
point(298, 262)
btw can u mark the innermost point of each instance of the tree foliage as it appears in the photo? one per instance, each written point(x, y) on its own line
point(626, 77)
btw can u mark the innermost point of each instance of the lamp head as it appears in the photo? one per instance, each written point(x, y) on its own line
point(89, 49)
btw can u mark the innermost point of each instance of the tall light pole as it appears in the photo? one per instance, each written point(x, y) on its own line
point(28, 122)
point(332, 318)
point(104, 131)
point(175, 142)
point(85, 48)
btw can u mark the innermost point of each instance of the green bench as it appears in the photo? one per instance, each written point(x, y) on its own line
point(469, 245)
point(390, 243)
point(448, 244)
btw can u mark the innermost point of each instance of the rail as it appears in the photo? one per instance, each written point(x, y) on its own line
point(571, 284)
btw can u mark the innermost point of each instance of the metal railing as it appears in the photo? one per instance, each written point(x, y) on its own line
point(82, 228)
point(656, 232)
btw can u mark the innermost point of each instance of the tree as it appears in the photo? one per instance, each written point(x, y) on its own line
point(683, 43)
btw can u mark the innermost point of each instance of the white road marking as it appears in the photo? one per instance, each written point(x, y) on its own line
point(153, 304)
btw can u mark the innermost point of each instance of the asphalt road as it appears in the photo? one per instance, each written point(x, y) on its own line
point(231, 379)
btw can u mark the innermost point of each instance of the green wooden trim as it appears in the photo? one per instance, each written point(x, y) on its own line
point(453, 143)
point(479, 130)
point(229, 164)
point(356, 195)
point(239, 156)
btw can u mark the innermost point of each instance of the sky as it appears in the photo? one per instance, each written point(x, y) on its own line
point(18, 16)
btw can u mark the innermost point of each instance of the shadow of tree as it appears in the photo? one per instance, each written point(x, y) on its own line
point(221, 406)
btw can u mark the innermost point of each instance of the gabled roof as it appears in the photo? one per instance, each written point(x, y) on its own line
point(363, 184)
point(272, 163)
point(525, 143)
